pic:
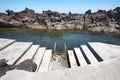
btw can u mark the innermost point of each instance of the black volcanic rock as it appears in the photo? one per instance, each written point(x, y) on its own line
point(27, 65)
point(10, 12)
point(88, 12)
point(102, 20)
point(3, 62)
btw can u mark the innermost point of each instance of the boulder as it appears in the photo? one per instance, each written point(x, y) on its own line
point(10, 12)
point(27, 65)
point(88, 12)
point(80, 27)
point(3, 62)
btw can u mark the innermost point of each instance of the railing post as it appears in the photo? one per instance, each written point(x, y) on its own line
point(65, 48)
point(55, 48)
point(65, 51)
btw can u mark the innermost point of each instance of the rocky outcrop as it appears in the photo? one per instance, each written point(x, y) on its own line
point(103, 21)
point(100, 21)
point(26, 65)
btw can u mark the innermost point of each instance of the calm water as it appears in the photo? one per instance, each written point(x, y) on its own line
point(47, 38)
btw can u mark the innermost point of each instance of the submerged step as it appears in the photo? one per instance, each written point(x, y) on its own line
point(14, 51)
point(80, 57)
point(72, 60)
point(29, 54)
point(5, 42)
point(89, 54)
point(39, 56)
point(46, 61)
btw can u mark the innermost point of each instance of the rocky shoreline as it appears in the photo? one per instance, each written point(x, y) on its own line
point(100, 21)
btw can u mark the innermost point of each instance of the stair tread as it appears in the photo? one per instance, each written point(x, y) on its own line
point(29, 54)
point(72, 59)
point(39, 56)
point(13, 52)
point(46, 61)
point(105, 51)
point(89, 54)
point(80, 57)
point(5, 42)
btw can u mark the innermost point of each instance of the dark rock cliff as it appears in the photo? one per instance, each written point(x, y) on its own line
point(100, 21)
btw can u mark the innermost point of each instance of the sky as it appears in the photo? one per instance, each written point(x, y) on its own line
point(75, 6)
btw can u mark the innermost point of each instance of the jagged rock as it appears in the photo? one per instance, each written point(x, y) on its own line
point(70, 26)
point(27, 65)
point(110, 30)
point(59, 27)
point(88, 12)
point(70, 13)
point(3, 62)
point(96, 29)
point(80, 27)
point(27, 14)
point(4, 67)
point(10, 12)
point(117, 9)
point(28, 17)
point(55, 19)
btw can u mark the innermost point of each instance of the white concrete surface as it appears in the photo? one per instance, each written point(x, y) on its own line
point(13, 52)
point(80, 57)
point(29, 54)
point(39, 56)
point(72, 59)
point(89, 54)
point(5, 42)
point(107, 70)
point(105, 51)
point(46, 61)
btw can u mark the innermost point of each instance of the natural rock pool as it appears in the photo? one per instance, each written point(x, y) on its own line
point(47, 38)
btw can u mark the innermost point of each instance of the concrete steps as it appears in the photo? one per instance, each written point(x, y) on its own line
point(71, 59)
point(13, 52)
point(29, 54)
point(93, 53)
point(84, 61)
point(17, 52)
point(44, 66)
point(104, 51)
point(79, 57)
point(39, 56)
point(106, 70)
point(89, 54)
point(5, 42)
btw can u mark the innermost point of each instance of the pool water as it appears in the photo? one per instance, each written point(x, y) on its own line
point(47, 38)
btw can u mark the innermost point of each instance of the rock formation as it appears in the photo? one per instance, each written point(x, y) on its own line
point(27, 65)
point(100, 21)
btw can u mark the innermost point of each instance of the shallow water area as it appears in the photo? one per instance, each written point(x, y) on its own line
point(47, 38)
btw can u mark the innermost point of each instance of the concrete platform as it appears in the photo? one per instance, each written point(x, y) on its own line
point(107, 70)
point(29, 54)
point(80, 57)
point(5, 42)
point(89, 54)
point(46, 61)
point(105, 51)
point(13, 52)
point(39, 56)
point(72, 60)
